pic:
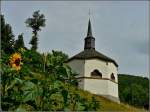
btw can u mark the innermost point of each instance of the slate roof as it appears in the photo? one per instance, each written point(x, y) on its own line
point(90, 54)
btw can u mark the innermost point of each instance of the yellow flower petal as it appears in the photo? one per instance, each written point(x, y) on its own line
point(15, 61)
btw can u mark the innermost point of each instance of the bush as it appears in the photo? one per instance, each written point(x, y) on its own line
point(32, 89)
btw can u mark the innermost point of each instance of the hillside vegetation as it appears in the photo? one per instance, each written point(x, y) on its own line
point(108, 105)
point(134, 90)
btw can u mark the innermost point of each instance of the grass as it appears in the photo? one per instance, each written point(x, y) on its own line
point(107, 105)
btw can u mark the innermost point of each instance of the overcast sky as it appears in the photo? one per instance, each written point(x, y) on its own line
point(121, 28)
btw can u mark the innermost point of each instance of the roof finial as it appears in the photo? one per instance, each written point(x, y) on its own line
point(89, 12)
point(89, 32)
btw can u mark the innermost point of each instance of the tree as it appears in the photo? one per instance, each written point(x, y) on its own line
point(63, 56)
point(137, 94)
point(19, 43)
point(53, 63)
point(36, 22)
point(7, 37)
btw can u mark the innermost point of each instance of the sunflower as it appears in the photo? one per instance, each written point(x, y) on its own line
point(15, 61)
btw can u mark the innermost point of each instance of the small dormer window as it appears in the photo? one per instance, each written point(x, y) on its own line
point(96, 74)
point(112, 77)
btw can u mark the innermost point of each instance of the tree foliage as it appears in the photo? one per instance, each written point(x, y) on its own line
point(134, 90)
point(19, 43)
point(7, 37)
point(36, 22)
point(54, 64)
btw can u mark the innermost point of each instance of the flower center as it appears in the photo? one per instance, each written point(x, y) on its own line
point(17, 62)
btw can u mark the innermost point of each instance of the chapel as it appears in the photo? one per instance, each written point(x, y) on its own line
point(97, 73)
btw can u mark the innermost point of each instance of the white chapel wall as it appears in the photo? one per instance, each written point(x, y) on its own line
point(96, 86)
point(93, 64)
point(106, 68)
point(101, 86)
point(77, 66)
point(113, 89)
point(113, 69)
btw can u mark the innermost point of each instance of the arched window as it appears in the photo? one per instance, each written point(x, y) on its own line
point(112, 77)
point(96, 74)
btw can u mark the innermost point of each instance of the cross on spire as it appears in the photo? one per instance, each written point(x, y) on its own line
point(89, 32)
point(89, 12)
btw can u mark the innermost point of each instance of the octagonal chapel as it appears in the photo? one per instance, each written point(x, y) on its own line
point(97, 73)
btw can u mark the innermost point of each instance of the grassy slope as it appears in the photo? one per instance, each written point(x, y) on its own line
point(107, 105)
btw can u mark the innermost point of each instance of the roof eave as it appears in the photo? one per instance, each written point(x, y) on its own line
point(72, 58)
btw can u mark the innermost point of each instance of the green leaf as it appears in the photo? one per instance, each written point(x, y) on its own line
point(57, 84)
point(18, 81)
point(80, 106)
point(30, 91)
point(65, 95)
point(24, 108)
point(13, 82)
point(20, 109)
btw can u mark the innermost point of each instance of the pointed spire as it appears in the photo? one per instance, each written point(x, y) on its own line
point(89, 32)
point(89, 40)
